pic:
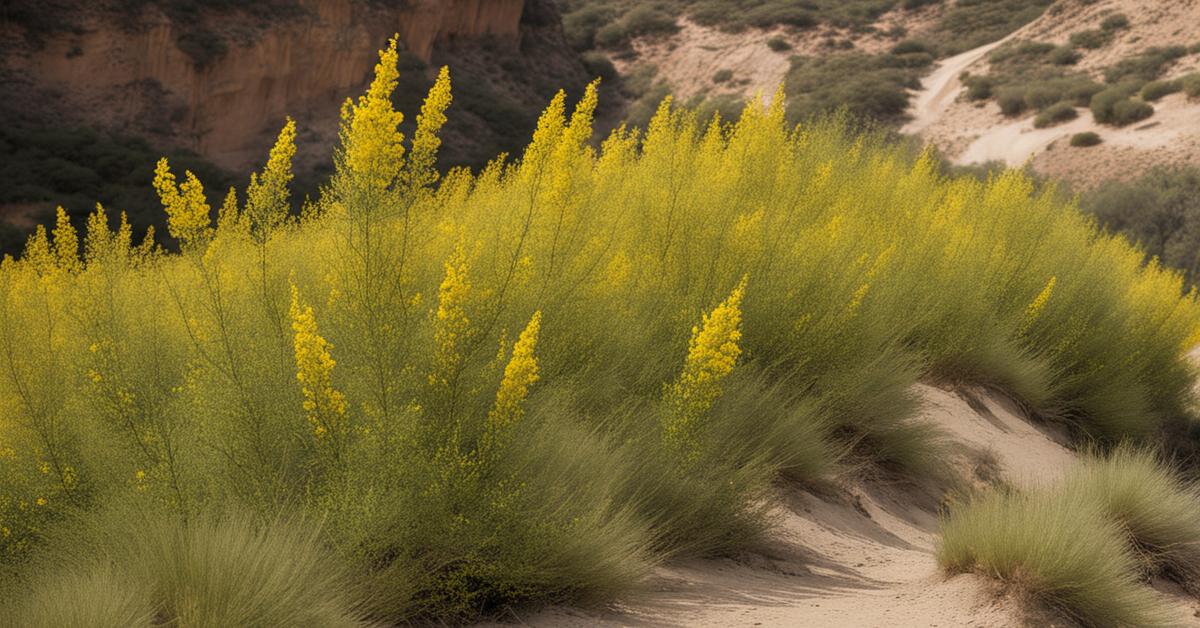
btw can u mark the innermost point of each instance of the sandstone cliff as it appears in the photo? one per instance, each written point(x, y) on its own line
point(130, 73)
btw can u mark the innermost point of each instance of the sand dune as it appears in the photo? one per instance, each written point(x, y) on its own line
point(862, 554)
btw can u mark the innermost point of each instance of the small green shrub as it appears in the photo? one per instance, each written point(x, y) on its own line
point(1055, 114)
point(1129, 111)
point(599, 65)
point(722, 76)
point(1064, 55)
point(979, 87)
point(1191, 85)
point(910, 46)
point(1085, 139)
point(1090, 39)
point(1011, 101)
point(1114, 22)
point(1155, 90)
point(1144, 67)
point(779, 44)
point(1059, 548)
point(1103, 104)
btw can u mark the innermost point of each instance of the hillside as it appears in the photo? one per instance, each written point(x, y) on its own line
point(1114, 45)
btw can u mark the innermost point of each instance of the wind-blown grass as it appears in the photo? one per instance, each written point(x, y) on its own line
point(1057, 548)
point(1156, 509)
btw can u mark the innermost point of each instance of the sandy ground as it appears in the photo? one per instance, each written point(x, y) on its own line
point(862, 554)
point(688, 60)
point(975, 133)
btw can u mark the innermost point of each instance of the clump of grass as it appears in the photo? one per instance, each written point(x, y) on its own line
point(1057, 548)
point(134, 567)
point(779, 44)
point(1191, 85)
point(722, 76)
point(1145, 498)
point(1055, 114)
point(1085, 139)
point(1155, 90)
point(1143, 67)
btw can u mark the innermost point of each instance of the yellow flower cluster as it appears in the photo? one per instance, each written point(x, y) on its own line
point(713, 351)
point(452, 323)
point(422, 160)
point(372, 145)
point(324, 405)
point(1039, 303)
point(188, 218)
point(520, 373)
point(267, 196)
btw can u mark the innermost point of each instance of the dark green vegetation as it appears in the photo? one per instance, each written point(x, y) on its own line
point(1160, 211)
point(1036, 76)
point(78, 167)
point(1085, 139)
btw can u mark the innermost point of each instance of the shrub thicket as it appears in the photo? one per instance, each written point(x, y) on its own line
point(1085, 139)
point(1055, 114)
point(527, 384)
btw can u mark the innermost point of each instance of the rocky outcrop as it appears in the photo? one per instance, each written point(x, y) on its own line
point(129, 73)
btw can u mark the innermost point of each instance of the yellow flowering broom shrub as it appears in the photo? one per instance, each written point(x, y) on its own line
point(495, 356)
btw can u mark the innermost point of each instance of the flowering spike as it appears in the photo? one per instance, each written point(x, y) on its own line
point(372, 147)
point(267, 198)
point(520, 373)
point(188, 218)
point(66, 243)
point(712, 353)
point(421, 171)
point(324, 405)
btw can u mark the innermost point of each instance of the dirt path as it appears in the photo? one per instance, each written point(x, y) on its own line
point(862, 555)
point(941, 88)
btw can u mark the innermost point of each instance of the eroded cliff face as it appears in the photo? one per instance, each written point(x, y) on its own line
point(132, 76)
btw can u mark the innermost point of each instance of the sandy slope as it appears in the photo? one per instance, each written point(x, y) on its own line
point(975, 133)
point(861, 554)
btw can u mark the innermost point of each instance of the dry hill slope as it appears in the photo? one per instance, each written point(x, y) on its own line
point(972, 132)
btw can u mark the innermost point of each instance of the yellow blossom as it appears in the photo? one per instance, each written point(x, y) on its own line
point(712, 353)
point(66, 243)
point(452, 324)
point(520, 373)
point(372, 146)
point(421, 171)
point(188, 217)
point(267, 198)
point(325, 406)
point(1035, 307)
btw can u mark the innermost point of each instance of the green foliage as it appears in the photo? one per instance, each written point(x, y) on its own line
point(1155, 90)
point(1114, 22)
point(1090, 39)
point(144, 568)
point(722, 76)
point(1083, 546)
point(639, 21)
point(77, 167)
point(1145, 498)
point(1191, 85)
point(872, 87)
point(1055, 114)
point(778, 44)
point(1056, 547)
point(1160, 211)
point(1144, 67)
point(1085, 139)
point(969, 24)
point(1115, 107)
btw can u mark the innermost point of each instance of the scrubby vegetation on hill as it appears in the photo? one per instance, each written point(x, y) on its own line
point(527, 385)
